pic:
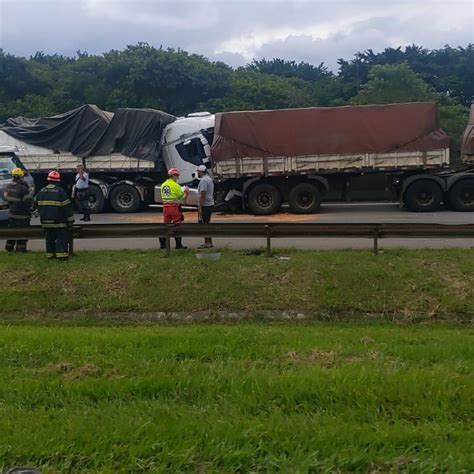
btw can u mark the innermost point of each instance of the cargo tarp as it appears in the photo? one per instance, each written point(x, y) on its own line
point(90, 131)
point(328, 131)
point(467, 139)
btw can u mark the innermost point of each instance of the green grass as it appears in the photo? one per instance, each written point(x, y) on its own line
point(253, 397)
point(401, 283)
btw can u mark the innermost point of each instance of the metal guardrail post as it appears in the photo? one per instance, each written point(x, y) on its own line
point(376, 240)
point(168, 243)
point(71, 242)
point(268, 230)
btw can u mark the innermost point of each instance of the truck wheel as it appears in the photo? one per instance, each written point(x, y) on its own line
point(304, 198)
point(424, 196)
point(96, 199)
point(124, 198)
point(264, 199)
point(461, 196)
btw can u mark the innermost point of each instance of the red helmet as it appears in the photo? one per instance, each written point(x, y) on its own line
point(173, 172)
point(54, 176)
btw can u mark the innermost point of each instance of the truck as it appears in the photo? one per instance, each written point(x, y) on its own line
point(259, 160)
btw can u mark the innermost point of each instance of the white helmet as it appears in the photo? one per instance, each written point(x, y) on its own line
point(202, 168)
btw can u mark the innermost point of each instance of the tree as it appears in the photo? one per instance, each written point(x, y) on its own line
point(251, 90)
point(282, 67)
point(393, 83)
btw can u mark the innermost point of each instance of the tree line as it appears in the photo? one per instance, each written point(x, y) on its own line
point(178, 82)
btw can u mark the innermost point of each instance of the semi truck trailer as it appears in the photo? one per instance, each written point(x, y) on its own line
point(259, 160)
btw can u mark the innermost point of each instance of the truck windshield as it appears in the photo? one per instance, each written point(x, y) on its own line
point(6, 167)
point(192, 151)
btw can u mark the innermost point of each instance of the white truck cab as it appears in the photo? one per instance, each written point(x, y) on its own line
point(186, 144)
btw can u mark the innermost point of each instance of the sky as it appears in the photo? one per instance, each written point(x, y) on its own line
point(235, 31)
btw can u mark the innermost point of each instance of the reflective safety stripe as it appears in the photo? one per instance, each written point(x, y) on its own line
point(54, 203)
point(13, 199)
point(54, 226)
point(51, 255)
point(18, 216)
point(62, 255)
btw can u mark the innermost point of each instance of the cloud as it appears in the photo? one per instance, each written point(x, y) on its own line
point(235, 31)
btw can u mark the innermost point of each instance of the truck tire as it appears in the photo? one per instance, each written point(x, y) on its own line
point(264, 199)
point(461, 196)
point(125, 198)
point(304, 198)
point(96, 199)
point(424, 195)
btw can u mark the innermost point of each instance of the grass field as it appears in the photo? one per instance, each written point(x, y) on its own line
point(381, 381)
point(399, 283)
point(319, 397)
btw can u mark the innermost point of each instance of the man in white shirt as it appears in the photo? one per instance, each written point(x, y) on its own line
point(81, 193)
point(205, 200)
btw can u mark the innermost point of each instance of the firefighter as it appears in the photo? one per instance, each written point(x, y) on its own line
point(173, 196)
point(20, 203)
point(57, 216)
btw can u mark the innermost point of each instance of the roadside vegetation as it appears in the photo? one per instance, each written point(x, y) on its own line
point(401, 284)
point(321, 397)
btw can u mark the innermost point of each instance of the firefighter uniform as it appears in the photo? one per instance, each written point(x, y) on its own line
point(20, 202)
point(57, 215)
point(172, 196)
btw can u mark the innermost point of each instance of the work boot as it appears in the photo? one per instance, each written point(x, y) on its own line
point(162, 243)
point(179, 244)
point(10, 246)
point(21, 246)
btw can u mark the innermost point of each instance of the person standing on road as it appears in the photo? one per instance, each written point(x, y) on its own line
point(173, 197)
point(205, 201)
point(81, 193)
point(20, 203)
point(57, 216)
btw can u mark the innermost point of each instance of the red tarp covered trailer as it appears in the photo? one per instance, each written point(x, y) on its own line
point(328, 131)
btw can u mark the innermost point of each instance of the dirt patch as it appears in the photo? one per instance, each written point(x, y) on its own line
point(330, 359)
point(324, 358)
point(460, 287)
point(367, 340)
point(90, 317)
point(60, 368)
point(70, 372)
point(400, 464)
point(88, 370)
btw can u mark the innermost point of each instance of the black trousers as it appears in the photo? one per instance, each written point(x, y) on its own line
point(82, 202)
point(206, 213)
point(18, 245)
point(57, 242)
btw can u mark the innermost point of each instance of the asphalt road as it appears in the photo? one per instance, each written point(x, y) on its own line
point(330, 213)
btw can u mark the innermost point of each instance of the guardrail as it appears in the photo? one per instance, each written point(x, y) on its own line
point(267, 231)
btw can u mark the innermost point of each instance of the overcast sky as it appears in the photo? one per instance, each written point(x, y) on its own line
point(235, 31)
